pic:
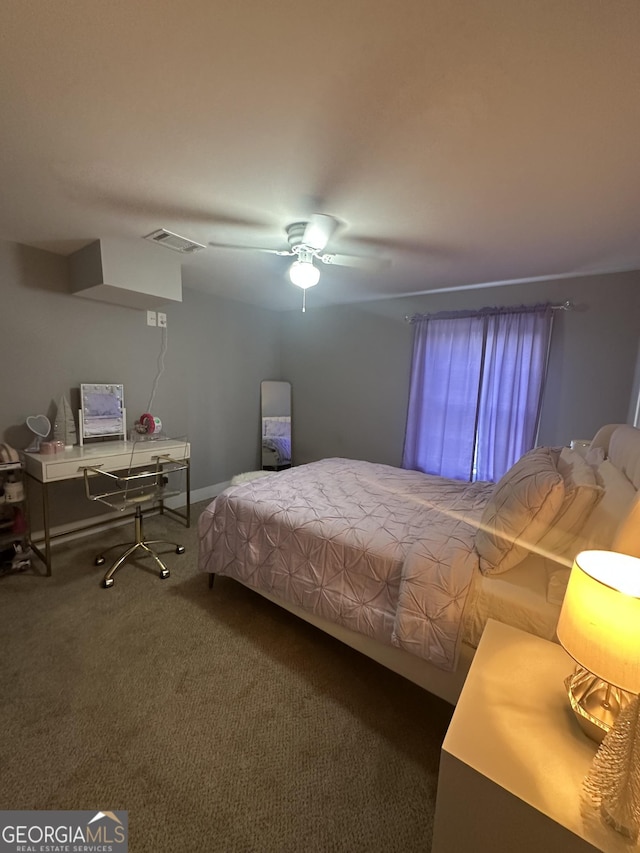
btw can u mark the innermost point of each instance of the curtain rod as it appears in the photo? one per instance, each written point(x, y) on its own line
point(564, 306)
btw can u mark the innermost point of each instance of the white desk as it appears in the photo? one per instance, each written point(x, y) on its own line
point(108, 456)
point(514, 757)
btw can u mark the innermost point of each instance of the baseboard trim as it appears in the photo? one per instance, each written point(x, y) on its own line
point(207, 493)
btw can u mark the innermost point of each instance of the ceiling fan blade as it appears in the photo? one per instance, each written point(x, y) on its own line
point(319, 231)
point(168, 211)
point(251, 248)
point(404, 246)
point(355, 261)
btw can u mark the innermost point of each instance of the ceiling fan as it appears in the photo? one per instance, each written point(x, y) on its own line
point(307, 241)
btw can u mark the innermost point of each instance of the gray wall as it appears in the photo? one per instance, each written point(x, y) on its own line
point(218, 352)
point(349, 365)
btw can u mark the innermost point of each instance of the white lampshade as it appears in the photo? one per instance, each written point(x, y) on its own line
point(304, 274)
point(599, 622)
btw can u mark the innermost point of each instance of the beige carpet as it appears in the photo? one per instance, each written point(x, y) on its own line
point(219, 721)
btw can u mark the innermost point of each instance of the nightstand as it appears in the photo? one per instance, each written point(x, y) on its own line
point(513, 759)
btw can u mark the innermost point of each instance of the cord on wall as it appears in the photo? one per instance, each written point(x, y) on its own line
point(163, 350)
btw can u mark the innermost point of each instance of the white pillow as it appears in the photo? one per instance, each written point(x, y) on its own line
point(581, 495)
point(600, 528)
point(624, 452)
point(627, 538)
point(522, 506)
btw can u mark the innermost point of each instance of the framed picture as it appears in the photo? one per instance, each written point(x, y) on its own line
point(102, 411)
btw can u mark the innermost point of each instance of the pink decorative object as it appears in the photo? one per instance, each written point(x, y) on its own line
point(47, 447)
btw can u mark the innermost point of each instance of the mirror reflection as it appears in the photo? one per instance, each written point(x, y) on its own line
point(276, 425)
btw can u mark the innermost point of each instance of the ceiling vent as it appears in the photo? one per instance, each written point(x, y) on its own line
point(174, 241)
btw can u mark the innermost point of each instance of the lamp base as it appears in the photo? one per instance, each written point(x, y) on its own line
point(595, 702)
point(613, 781)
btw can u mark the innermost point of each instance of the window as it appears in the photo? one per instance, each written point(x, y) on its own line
point(476, 388)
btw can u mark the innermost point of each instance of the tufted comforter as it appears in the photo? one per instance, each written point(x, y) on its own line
point(383, 551)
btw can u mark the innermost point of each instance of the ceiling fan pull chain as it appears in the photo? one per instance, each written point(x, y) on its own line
point(304, 301)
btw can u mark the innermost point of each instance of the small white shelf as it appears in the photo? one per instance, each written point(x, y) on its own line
point(15, 553)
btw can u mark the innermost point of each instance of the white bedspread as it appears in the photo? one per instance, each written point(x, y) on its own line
point(380, 550)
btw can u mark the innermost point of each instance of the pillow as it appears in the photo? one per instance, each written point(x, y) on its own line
point(581, 495)
point(627, 538)
point(619, 495)
point(595, 455)
point(624, 452)
point(522, 505)
point(557, 585)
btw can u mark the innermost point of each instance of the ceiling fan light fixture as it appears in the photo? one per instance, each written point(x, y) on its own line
point(304, 274)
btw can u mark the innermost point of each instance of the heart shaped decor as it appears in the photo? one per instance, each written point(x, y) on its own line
point(40, 425)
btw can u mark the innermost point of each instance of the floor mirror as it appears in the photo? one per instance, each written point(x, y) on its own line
point(275, 400)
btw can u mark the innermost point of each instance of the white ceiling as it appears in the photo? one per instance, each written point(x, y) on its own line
point(468, 141)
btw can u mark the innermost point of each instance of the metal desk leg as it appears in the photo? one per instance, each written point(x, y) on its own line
point(188, 493)
point(186, 517)
point(45, 555)
point(45, 522)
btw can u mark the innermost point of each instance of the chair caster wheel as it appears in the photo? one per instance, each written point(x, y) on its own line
point(99, 561)
point(180, 549)
point(107, 582)
point(164, 573)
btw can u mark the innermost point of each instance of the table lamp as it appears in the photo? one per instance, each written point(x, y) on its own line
point(599, 627)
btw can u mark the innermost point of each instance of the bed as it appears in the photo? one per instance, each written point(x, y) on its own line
point(407, 567)
point(276, 442)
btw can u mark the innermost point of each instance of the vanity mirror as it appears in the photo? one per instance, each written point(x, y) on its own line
point(275, 400)
point(102, 412)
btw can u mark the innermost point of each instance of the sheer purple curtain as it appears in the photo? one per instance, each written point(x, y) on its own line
point(513, 377)
point(443, 396)
point(475, 391)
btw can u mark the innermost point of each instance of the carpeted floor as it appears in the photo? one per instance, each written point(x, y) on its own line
point(219, 721)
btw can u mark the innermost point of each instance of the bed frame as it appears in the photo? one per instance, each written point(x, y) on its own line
point(448, 685)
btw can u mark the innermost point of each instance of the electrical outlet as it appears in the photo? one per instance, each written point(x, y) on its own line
point(162, 320)
point(151, 318)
